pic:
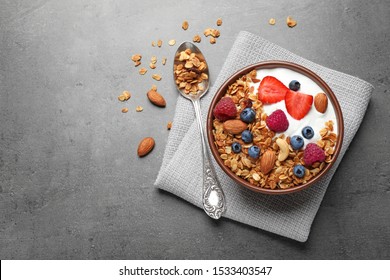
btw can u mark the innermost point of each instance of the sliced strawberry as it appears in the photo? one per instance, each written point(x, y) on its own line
point(271, 90)
point(298, 104)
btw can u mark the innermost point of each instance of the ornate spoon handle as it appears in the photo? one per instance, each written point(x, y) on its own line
point(214, 203)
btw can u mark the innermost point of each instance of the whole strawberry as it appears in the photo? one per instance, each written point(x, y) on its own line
point(277, 121)
point(225, 109)
point(313, 153)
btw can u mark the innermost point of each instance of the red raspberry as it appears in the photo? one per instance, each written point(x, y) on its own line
point(225, 109)
point(277, 121)
point(313, 153)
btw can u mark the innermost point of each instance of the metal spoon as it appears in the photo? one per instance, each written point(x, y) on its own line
point(213, 198)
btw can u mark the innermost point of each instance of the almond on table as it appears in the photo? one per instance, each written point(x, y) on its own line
point(145, 146)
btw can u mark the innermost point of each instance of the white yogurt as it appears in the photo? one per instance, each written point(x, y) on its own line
point(313, 118)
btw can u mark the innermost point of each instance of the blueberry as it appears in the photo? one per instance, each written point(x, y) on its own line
point(236, 147)
point(308, 132)
point(294, 85)
point(246, 136)
point(297, 142)
point(299, 171)
point(248, 115)
point(254, 152)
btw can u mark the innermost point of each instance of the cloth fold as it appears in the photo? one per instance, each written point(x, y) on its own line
point(287, 215)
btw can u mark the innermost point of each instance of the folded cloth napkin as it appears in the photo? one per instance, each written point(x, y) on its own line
point(287, 215)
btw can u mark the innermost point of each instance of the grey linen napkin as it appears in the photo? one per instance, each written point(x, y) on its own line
point(287, 215)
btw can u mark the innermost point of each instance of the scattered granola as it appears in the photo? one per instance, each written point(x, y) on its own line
point(142, 71)
point(196, 39)
point(164, 60)
point(212, 40)
point(185, 25)
point(219, 22)
point(169, 125)
point(272, 21)
point(136, 58)
point(125, 110)
point(211, 32)
point(159, 43)
point(172, 42)
point(291, 22)
point(124, 96)
point(139, 108)
point(153, 43)
point(189, 71)
point(156, 77)
point(152, 66)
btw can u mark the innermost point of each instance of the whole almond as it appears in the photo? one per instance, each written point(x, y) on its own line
point(234, 126)
point(156, 98)
point(267, 161)
point(321, 102)
point(145, 146)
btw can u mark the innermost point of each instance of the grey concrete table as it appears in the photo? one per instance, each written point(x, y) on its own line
point(71, 185)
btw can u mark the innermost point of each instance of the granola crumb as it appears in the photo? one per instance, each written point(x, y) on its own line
point(272, 21)
point(219, 22)
point(139, 108)
point(184, 25)
point(169, 125)
point(196, 38)
point(291, 22)
point(125, 110)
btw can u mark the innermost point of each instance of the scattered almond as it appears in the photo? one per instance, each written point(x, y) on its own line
point(185, 25)
point(172, 42)
point(196, 39)
point(156, 98)
point(139, 108)
point(219, 22)
point(156, 77)
point(159, 43)
point(321, 102)
point(164, 60)
point(142, 71)
point(267, 161)
point(145, 146)
point(234, 126)
point(125, 110)
point(291, 22)
point(169, 125)
point(272, 21)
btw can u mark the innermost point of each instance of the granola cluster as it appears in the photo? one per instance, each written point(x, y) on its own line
point(281, 175)
point(189, 70)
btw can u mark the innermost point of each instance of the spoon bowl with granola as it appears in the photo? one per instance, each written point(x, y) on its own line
point(191, 76)
point(275, 127)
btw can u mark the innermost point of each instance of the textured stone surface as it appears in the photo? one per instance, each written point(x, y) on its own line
point(71, 185)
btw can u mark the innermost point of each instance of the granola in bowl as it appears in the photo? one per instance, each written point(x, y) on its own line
point(272, 135)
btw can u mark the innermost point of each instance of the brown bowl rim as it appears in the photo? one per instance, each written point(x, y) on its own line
point(267, 65)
